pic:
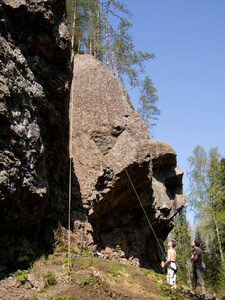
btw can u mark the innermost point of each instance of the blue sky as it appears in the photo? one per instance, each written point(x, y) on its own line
point(188, 39)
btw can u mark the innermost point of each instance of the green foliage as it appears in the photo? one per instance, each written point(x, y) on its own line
point(148, 110)
point(207, 194)
point(150, 271)
point(65, 298)
point(72, 249)
point(41, 290)
point(95, 287)
point(65, 261)
point(207, 198)
point(84, 282)
point(91, 32)
point(181, 234)
point(54, 262)
point(169, 293)
point(32, 298)
point(128, 60)
point(106, 152)
point(90, 263)
point(214, 274)
point(86, 252)
point(21, 275)
point(115, 270)
point(62, 247)
point(21, 278)
point(49, 279)
point(48, 297)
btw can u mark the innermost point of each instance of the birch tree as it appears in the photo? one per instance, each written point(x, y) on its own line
point(206, 191)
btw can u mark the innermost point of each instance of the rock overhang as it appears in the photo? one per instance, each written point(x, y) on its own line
point(114, 144)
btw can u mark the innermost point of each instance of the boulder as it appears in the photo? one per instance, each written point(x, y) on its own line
point(114, 161)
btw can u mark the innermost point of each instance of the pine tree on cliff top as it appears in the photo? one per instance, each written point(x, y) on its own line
point(148, 109)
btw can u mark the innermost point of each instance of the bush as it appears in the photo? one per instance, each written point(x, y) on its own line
point(83, 282)
point(49, 279)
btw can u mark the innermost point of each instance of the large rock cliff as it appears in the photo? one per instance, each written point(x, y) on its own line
point(110, 143)
point(35, 75)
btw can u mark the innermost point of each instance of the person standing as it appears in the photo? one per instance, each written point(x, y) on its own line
point(196, 258)
point(170, 262)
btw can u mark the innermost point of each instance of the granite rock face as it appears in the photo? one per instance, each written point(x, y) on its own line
point(35, 76)
point(110, 148)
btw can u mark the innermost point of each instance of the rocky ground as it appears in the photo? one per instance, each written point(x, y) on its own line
point(89, 278)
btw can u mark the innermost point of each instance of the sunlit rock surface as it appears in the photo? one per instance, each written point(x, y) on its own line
point(109, 141)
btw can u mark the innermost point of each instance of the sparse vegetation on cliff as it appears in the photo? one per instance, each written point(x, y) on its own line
point(89, 277)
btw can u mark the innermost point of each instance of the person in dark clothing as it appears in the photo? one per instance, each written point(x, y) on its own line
point(196, 258)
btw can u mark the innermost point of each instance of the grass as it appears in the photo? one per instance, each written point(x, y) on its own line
point(65, 298)
point(54, 262)
point(49, 279)
point(21, 275)
point(90, 277)
point(84, 282)
point(150, 271)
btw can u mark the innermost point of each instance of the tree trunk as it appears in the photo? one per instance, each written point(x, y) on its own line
point(78, 46)
point(90, 46)
point(97, 42)
point(106, 33)
point(73, 23)
point(117, 63)
point(218, 238)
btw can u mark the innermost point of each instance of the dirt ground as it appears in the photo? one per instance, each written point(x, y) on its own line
point(86, 278)
point(89, 278)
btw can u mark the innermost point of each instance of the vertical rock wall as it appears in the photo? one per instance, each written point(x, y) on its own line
point(110, 140)
point(35, 76)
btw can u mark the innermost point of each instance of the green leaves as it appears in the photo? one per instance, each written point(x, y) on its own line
point(207, 195)
point(148, 110)
point(91, 32)
point(181, 234)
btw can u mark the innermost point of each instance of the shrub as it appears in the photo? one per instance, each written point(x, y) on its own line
point(83, 282)
point(54, 262)
point(49, 279)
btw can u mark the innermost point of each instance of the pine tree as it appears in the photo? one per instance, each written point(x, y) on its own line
point(108, 28)
point(148, 110)
point(85, 23)
point(181, 234)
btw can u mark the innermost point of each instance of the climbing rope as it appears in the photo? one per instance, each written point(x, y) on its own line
point(70, 171)
point(145, 213)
